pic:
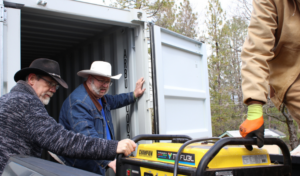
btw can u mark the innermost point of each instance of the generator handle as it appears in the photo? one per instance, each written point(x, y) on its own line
point(241, 141)
point(118, 164)
point(158, 137)
point(186, 144)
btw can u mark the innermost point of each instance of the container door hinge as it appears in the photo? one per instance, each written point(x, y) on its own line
point(149, 104)
point(2, 13)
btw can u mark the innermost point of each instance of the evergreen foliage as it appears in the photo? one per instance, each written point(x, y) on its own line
point(167, 14)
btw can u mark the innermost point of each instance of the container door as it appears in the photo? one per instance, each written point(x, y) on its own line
point(180, 84)
point(10, 61)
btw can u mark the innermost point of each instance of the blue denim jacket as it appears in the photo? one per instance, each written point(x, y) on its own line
point(79, 114)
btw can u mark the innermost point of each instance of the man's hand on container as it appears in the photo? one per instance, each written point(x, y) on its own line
point(112, 165)
point(126, 146)
point(254, 125)
point(139, 88)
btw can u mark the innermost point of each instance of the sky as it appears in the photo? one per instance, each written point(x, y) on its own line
point(200, 7)
point(197, 5)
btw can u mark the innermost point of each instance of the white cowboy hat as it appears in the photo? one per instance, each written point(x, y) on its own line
point(99, 68)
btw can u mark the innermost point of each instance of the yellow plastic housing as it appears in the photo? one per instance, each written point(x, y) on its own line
point(228, 156)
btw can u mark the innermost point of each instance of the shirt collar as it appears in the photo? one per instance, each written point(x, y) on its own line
point(93, 98)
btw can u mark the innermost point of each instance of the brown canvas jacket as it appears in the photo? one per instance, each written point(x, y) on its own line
point(271, 52)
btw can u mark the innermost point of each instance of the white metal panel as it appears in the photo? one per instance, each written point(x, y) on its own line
point(93, 12)
point(182, 83)
point(12, 50)
point(137, 64)
point(143, 122)
point(1, 46)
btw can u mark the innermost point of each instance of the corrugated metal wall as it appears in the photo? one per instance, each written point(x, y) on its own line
point(76, 59)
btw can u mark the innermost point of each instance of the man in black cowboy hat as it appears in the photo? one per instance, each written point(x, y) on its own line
point(43, 75)
point(26, 127)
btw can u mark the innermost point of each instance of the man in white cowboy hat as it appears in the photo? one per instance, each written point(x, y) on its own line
point(87, 111)
point(27, 128)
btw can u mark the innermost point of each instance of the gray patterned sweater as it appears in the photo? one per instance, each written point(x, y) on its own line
point(26, 128)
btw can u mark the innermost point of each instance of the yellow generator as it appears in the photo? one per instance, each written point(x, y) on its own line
point(202, 157)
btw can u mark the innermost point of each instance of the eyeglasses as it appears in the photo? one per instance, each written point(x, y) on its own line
point(104, 82)
point(50, 84)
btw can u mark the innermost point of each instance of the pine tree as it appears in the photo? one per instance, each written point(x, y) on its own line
point(186, 23)
point(226, 39)
point(236, 32)
point(217, 62)
point(166, 14)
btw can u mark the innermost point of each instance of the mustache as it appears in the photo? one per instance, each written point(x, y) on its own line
point(48, 93)
point(97, 90)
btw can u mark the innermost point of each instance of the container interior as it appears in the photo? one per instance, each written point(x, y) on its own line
point(75, 43)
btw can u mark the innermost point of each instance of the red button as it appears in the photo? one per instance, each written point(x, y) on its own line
point(128, 172)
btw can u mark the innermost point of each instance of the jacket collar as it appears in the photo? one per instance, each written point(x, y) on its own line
point(23, 86)
point(296, 4)
point(93, 98)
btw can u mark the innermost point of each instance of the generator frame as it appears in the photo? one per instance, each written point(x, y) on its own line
point(123, 163)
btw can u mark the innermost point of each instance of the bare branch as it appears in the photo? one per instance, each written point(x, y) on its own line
point(248, 11)
point(287, 116)
point(237, 50)
point(157, 10)
point(276, 117)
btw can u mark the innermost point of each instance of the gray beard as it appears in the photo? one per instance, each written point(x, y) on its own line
point(94, 88)
point(45, 101)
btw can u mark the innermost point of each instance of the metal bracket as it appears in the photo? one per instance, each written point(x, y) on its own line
point(2, 13)
point(136, 31)
point(42, 2)
point(5, 15)
point(138, 15)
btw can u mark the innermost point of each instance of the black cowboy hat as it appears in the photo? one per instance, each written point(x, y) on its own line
point(42, 66)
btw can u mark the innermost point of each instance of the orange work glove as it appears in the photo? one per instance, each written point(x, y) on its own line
point(254, 125)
